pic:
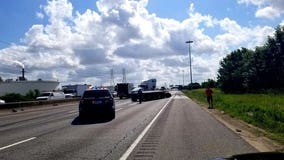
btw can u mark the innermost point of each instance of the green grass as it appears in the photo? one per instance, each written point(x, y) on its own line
point(265, 111)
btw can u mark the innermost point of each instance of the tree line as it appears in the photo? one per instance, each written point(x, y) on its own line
point(258, 70)
point(16, 97)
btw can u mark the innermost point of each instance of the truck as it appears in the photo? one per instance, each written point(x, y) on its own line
point(50, 96)
point(76, 90)
point(149, 91)
point(124, 90)
point(148, 85)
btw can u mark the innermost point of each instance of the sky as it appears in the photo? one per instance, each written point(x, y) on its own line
point(81, 41)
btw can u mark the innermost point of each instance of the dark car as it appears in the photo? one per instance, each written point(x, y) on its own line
point(96, 103)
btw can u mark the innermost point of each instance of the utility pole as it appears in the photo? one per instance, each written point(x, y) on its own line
point(124, 75)
point(111, 79)
point(189, 53)
point(182, 78)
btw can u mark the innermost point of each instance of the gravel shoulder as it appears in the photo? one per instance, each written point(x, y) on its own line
point(255, 136)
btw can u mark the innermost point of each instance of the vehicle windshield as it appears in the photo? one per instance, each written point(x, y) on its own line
point(69, 91)
point(96, 94)
point(140, 79)
point(45, 94)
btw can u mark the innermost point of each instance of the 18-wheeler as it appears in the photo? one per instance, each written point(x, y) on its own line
point(124, 90)
point(149, 91)
point(76, 90)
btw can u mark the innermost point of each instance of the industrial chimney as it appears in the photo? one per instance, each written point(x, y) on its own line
point(23, 75)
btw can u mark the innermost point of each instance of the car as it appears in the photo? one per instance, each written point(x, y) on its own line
point(114, 93)
point(97, 102)
point(51, 96)
point(2, 101)
point(69, 95)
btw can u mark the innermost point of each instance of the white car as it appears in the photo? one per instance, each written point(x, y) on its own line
point(114, 93)
point(51, 96)
point(2, 101)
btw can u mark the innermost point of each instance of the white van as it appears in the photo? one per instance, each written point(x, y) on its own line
point(51, 96)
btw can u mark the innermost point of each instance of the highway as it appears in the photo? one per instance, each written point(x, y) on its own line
point(172, 128)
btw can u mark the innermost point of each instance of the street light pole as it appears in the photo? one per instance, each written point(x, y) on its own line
point(182, 78)
point(189, 52)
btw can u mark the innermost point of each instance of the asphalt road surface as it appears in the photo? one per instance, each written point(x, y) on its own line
point(172, 128)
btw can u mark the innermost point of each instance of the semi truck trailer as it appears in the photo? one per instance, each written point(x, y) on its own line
point(149, 91)
point(124, 90)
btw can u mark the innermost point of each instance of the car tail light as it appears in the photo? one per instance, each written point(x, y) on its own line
point(110, 100)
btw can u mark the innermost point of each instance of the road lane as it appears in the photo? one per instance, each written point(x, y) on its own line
point(182, 131)
point(186, 131)
point(61, 137)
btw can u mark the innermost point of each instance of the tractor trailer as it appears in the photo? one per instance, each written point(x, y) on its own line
point(124, 90)
point(149, 91)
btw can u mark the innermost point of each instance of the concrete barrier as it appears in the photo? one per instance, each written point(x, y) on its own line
point(35, 103)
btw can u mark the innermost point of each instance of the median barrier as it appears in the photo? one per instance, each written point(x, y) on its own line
point(36, 103)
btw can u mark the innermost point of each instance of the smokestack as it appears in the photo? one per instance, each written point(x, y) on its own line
point(22, 78)
point(23, 73)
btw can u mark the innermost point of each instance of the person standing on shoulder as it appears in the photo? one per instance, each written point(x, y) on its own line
point(140, 95)
point(209, 95)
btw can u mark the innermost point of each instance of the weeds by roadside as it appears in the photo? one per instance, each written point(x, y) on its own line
point(265, 111)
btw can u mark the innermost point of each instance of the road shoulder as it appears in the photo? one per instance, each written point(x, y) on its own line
point(253, 135)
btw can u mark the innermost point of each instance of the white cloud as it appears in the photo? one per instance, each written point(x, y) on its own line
point(266, 8)
point(84, 47)
point(39, 15)
point(267, 12)
point(57, 10)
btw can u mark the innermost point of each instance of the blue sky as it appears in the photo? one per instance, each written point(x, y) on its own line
point(18, 16)
point(112, 30)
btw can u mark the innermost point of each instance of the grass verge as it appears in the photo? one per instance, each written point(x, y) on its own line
point(265, 111)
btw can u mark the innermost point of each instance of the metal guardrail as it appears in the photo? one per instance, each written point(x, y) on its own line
point(35, 103)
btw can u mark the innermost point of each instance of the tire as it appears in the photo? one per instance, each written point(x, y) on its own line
point(81, 115)
point(112, 115)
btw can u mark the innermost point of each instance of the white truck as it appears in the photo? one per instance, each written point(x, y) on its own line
point(149, 91)
point(51, 96)
point(148, 85)
point(76, 90)
point(124, 90)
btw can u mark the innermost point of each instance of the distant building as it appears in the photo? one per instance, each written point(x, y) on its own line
point(23, 86)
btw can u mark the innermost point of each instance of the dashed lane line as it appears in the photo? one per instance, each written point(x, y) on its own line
point(17, 143)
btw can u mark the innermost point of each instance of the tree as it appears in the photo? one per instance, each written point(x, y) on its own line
point(32, 94)
point(210, 82)
point(261, 69)
point(194, 85)
point(233, 74)
point(267, 64)
point(13, 97)
point(257, 70)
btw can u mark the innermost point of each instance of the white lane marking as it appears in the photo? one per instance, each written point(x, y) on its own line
point(139, 138)
point(118, 109)
point(133, 104)
point(70, 112)
point(123, 103)
point(181, 97)
point(11, 145)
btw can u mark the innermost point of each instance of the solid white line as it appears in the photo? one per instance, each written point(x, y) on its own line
point(118, 109)
point(11, 145)
point(139, 138)
point(70, 112)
